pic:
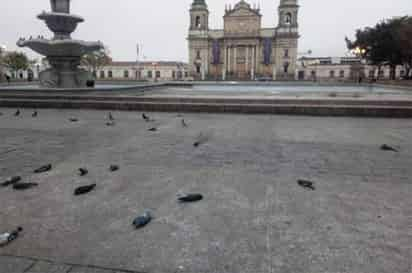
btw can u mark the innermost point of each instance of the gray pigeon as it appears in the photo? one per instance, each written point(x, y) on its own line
point(153, 129)
point(189, 198)
point(142, 220)
point(110, 116)
point(11, 181)
point(184, 124)
point(386, 147)
point(17, 113)
point(83, 171)
point(43, 169)
point(309, 185)
point(110, 123)
point(34, 114)
point(114, 168)
point(74, 119)
point(24, 186)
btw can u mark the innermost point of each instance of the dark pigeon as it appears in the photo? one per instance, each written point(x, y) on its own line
point(84, 189)
point(309, 185)
point(142, 220)
point(17, 113)
point(146, 118)
point(110, 123)
point(110, 116)
point(74, 119)
point(386, 147)
point(11, 181)
point(83, 171)
point(34, 114)
point(114, 168)
point(24, 186)
point(188, 198)
point(184, 124)
point(153, 129)
point(201, 139)
point(43, 169)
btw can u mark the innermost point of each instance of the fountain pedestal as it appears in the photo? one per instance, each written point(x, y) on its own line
point(62, 52)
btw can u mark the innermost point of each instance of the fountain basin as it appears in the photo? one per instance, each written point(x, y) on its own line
point(63, 48)
point(62, 24)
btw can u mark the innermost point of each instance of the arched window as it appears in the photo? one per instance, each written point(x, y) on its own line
point(110, 74)
point(179, 74)
point(102, 74)
point(173, 74)
point(198, 54)
point(288, 18)
point(198, 69)
point(126, 73)
point(313, 73)
point(157, 74)
point(149, 74)
point(197, 22)
point(332, 74)
point(286, 53)
point(342, 73)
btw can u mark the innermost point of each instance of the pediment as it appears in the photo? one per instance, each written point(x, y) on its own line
point(242, 9)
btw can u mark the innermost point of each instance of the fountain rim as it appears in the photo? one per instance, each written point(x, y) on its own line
point(49, 15)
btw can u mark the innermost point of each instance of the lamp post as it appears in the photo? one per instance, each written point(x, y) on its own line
point(360, 53)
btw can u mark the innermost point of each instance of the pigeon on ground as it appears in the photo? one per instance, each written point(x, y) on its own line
point(24, 186)
point(386, 147)
point(110, 123)
point(309, 185)
point(8, 237)
point(110, 116)
point(142, 220)
point(188, 198)
point(11, 181)
point(84, 189)
point(114, 168)
point(83, 171)
point(153, 129)
point(17, 113)
point(34, 114)
point(74, 119)
point(200, 140)
point(146, 118)
point(184, 124)
point(43, 169)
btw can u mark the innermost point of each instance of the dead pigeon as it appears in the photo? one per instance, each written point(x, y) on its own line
point(8, 237)
point(11, 181)
point(142, 220)
point(110, 123)
point(153, 129)
point(110, 116)
point(83, 171)
point(17, 113)
point(184, 124)
point(34, 114)
point(114, 168)
point(73, 119)
point(306, 184)
point(84, 189)
point(188, 198)
point(43, 169)
point(24, 186)
point(386, 147)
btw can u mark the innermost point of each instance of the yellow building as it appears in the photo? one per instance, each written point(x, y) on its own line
point(243, 50)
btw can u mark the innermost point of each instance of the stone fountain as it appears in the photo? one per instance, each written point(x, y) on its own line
point(62, 52)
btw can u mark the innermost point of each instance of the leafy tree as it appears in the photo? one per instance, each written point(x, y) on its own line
point(387, 43)
point(16, 61)
point(95, 60)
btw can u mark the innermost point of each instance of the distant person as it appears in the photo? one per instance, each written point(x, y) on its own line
point(360, 80)
point(8, 79)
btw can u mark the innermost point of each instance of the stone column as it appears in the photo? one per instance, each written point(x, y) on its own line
point(235, 61)
point(224, 63)
point(247, 59)
point(252, 72)
point(229, 61)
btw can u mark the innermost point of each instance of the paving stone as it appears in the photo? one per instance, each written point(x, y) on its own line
point(46, 267)
point(89, 270)
point(14, 265)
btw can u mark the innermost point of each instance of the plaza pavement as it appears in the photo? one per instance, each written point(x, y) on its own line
point(254, 218)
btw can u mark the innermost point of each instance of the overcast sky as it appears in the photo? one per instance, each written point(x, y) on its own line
point(161, 25)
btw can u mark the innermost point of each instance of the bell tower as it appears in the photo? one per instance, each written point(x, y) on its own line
point(198, 40)
point(199, 15)
point(287, 36)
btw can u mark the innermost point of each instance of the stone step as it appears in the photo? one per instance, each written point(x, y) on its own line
point(392, 111)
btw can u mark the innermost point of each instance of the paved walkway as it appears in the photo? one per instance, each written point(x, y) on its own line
point(254, 217)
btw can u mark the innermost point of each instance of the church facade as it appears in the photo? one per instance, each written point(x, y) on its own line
point(243, 50)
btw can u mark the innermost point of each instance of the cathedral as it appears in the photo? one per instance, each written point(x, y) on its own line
point(243, 50)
